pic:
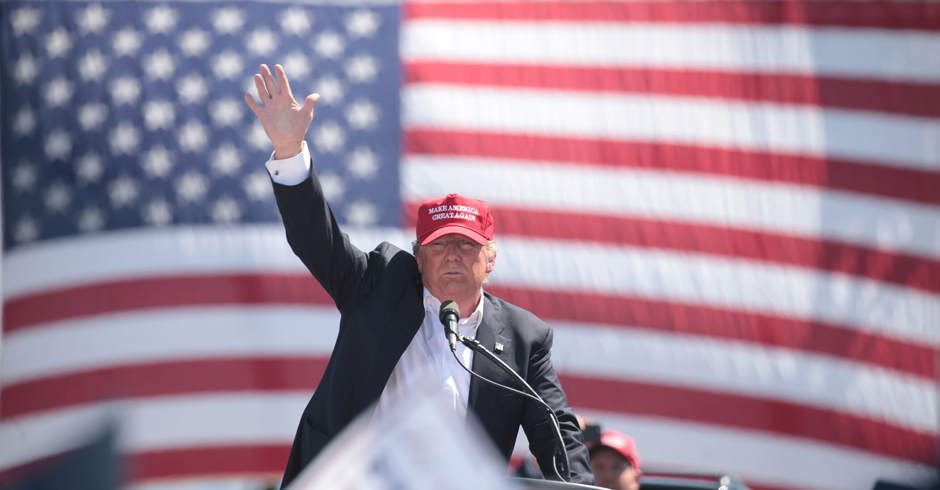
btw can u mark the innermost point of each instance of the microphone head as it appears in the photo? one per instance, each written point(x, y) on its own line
point(449, 308)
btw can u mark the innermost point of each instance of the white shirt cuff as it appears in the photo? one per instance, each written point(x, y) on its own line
point(290, 171)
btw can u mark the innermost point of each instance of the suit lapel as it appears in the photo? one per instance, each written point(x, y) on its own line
point(483, 395)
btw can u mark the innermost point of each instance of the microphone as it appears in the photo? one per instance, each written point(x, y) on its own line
point(528, 392)
point(449, 316)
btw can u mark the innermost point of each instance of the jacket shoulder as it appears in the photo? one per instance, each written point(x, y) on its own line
point(390, 259)
point(387, 252)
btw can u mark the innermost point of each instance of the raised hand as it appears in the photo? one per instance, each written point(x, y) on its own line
point(284, 120)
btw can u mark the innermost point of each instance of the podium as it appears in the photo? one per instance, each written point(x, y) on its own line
point(531, 484)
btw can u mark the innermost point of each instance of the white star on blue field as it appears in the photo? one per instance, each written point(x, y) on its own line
point(121, 114)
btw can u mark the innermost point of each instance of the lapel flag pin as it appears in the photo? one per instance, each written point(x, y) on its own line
point(499, 347)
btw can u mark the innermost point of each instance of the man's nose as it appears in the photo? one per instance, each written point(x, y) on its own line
point(452, 251)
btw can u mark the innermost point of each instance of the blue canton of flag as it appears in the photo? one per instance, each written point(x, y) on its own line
point(129, 114)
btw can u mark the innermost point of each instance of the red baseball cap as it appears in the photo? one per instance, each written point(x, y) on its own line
point(621, 443)
point(454, 214)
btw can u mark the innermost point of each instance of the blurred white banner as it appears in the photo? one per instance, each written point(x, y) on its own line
point(417, 445)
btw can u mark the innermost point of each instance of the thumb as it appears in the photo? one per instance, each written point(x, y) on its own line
point(309, 102)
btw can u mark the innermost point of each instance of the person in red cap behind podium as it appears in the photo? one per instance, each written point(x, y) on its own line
point(390, 336)
point(615, 462)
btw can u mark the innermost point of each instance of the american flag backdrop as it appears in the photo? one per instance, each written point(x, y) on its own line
point(729, 211)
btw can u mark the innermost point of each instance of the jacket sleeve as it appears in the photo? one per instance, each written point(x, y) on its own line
point(536, 424)
point(315, 237)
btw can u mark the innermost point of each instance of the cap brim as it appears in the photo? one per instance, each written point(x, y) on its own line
point(460, 230)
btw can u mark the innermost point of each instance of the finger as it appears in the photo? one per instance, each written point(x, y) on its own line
point(262, 92)
point(254, 105)
point(309, 102)
point(269, 81)
point(282, 80)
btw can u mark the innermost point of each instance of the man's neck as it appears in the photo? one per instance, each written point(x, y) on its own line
point(466, 306)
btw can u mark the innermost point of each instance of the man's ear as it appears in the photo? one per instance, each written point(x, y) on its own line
point(491, 263)
point(418, 258)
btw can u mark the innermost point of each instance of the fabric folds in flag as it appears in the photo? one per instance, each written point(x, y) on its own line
point(728, 211)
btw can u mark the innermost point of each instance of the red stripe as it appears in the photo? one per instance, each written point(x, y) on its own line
point(267, 461)
point(869, 14)
point(688, 319)
point(776, 331)
point(207, 376)
point(159, 379)
point(745, 412)
point(869, 95)
point(899, 269)
point(896, 183)
point(138, 294)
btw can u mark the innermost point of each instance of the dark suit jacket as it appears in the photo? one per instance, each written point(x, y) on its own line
point(380, 297)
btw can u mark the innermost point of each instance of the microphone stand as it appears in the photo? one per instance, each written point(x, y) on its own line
point(476, 346)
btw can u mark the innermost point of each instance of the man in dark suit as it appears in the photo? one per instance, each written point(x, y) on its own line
point(390, 338)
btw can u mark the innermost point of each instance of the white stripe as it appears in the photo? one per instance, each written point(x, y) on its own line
point(753, 286)
point(153, 424)
point(167, 335)
point(864, 53)
point(119, 255)
point(867, 136)
point(615, 353)
point(745, 369)
point(29, 438)
point(145, 253)
point(756, 457)
point(792, 292)
point(209, 420)
point(885, 224)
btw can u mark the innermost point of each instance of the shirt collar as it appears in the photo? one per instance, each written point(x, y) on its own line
point(468, 324)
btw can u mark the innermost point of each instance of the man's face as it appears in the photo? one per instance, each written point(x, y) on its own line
point(612, 470)
point(453, 268)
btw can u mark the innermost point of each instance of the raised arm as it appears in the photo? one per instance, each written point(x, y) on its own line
point(312, 230)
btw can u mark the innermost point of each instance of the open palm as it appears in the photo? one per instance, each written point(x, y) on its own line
point(284, 120)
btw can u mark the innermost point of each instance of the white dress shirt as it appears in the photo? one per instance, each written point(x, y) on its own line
point(427, 365)
point(290, 171)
